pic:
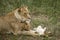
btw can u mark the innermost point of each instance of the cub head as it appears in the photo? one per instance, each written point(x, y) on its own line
point(23, 14)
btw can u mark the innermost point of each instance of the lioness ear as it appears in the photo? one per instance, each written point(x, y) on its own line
point(22, 8)
point(19, 10)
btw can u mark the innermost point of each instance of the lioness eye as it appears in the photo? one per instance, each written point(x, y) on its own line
point(29, 13)
point(24, 13)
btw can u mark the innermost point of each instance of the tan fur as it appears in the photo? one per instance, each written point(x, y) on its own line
point(12, 21)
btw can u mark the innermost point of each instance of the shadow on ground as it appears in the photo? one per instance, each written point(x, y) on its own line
point(24, 37)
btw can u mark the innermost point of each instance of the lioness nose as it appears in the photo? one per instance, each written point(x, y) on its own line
point(29, 17)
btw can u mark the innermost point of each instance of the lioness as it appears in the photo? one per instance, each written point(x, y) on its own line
point(15, 21)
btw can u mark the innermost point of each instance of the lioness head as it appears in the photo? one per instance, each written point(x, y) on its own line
point(23, 14)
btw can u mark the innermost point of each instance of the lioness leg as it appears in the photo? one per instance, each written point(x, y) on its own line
point(15, 28)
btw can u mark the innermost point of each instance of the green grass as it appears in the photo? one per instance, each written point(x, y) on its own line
point(43, 12)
